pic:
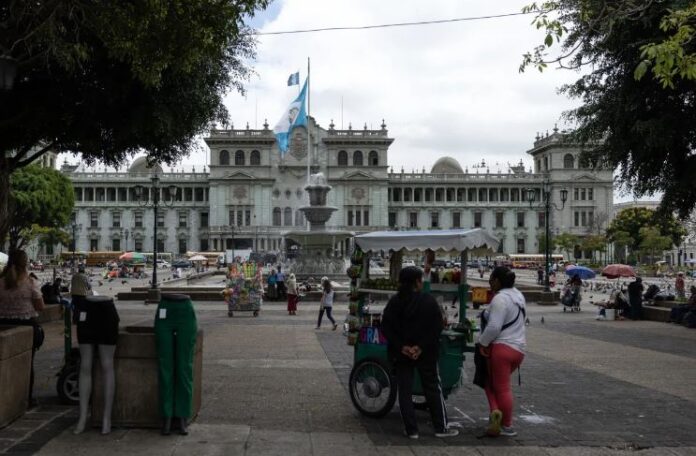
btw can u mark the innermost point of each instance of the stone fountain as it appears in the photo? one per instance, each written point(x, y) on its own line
point(317, 257)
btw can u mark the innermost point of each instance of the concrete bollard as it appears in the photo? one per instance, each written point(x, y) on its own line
point(15, 370)
point(136, 402)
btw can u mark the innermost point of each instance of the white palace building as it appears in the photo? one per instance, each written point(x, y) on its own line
point(249, 196)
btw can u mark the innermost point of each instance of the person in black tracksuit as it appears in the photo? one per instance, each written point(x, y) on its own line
point(412, 323)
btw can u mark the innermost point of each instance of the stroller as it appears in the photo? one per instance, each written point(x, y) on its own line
point(571, 299)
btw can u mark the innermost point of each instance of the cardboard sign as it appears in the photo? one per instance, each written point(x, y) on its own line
point(372, 335)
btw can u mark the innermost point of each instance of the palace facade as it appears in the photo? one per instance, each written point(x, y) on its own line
point(249, 195)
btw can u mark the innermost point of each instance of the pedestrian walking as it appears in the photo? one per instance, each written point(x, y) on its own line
point(280, 283)
point(503, 342)
point(79, 289)
point(326, 304)
point(412, 322)
point(540, 275)
point(272, 281)
point(680, 286)
point(292, 295)
point(21, 302)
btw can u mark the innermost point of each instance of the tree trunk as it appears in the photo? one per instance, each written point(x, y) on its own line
point(4, 201)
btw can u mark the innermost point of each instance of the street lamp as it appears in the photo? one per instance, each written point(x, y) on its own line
point(153, 294)
point(546, 203)
point(75, 227)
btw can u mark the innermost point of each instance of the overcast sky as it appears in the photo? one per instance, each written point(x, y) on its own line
point(443, 90)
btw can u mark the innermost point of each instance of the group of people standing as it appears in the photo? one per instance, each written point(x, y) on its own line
point(413, 322)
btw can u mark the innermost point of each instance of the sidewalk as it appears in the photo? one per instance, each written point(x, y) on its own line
point(273, 385)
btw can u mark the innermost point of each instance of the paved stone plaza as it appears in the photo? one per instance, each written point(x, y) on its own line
point(274, 385)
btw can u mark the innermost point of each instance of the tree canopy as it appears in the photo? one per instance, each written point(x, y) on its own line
point(109, 79)
point(638, 90)
point(628, 223)
point(42, 200)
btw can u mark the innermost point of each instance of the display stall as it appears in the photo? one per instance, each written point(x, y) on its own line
point(244, 288)
point(372, 385)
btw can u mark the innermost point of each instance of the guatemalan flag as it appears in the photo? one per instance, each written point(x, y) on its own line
point(294, 79)
point(294, 116)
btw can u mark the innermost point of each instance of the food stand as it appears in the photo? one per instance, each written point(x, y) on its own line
point(244, 290)
point(372, 384)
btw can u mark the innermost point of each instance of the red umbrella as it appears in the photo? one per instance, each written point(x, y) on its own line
point(614, 271)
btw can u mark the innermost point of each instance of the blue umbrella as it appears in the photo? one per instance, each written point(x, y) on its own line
point(580, 271)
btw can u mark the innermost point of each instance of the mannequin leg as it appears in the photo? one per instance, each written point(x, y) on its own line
point(106, 356)
point(86, 355)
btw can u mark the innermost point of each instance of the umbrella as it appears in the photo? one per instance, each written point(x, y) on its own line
point(690, 261)
point(581, 271)
point(198, 258)
point(614, 271)
point(132, 257)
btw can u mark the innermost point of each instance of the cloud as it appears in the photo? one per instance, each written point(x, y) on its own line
point(448, 89)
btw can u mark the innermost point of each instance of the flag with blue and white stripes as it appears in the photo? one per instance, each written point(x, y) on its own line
point(294, 116)
point(294, 79)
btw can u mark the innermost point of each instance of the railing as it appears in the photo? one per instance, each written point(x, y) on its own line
point(463, 177)
point(167, 176)
point(357, 133)
point(241, 132)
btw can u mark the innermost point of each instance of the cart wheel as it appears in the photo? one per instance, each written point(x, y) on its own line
point(68, 385)
point(230, 313)
point(419, 403)
point(372, 388)
point(256, 313)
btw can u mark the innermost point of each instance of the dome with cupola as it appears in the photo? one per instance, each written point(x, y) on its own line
point(447, 165)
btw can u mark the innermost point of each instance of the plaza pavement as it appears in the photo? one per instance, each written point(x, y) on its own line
point(274, 385)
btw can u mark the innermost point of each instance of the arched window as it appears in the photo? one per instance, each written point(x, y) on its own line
point(357, 158)
point(255, 158)
point(568, 161)
point(342, 158)
point(546, 163)
point(239, 158)
point(276, 216)
point(373, 158)
point(287, 217)
point(224, 157)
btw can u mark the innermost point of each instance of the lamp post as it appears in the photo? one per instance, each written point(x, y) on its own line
point(546, 203)
point(153, 294)
point(74, 226)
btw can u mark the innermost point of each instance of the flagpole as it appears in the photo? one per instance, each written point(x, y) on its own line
point(309, 137)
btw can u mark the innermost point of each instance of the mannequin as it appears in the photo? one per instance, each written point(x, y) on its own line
point(175, 333)
point(97, 329)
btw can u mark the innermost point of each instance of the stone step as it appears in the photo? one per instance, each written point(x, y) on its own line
point(655, 313)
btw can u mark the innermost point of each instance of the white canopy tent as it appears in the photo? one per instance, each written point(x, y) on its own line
point(476, 240)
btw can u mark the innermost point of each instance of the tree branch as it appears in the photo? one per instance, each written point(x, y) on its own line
point(23, 163)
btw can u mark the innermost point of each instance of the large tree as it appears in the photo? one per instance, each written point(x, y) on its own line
point(638, 87)
point(628, 223)
point(42, 201)
point(108, 79)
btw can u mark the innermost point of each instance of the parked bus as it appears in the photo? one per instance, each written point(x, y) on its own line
point(100, 258)
point(531, 260)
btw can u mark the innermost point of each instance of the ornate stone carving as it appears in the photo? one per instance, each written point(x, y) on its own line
point(239, 192)
point(298, 145)
point(358, 193)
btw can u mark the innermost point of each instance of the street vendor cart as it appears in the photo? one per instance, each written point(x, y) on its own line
point(372, 384)
point(244, 288)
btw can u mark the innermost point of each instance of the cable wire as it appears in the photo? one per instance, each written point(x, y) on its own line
point(397, 24)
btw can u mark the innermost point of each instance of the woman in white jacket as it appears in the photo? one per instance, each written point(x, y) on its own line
point(503, 342)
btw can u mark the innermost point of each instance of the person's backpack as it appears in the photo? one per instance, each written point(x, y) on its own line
point(651, 292)
point(48, 294)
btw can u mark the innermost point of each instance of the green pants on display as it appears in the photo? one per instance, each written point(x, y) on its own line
point(175, 332)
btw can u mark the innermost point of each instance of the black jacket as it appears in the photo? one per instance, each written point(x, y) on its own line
point(412, 319)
